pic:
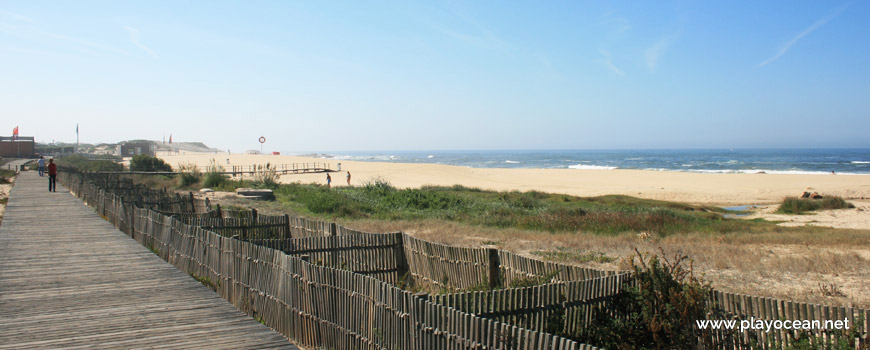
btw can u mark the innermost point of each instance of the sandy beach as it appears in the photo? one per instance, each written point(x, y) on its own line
point(696, 188)
point(771, 265)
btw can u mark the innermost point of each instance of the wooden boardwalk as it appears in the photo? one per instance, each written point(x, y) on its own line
point(69, 279)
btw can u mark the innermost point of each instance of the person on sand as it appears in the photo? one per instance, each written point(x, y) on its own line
point(52, 176)
point(348, 178)
point(328, 181)
point(40, 165)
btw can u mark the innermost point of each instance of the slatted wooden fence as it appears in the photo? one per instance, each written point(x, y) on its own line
point(377, 255)
point(517, 269)
point(317, 306)
point(561, 308)
point(260, 227)
point(746, 307)
point(439, 268)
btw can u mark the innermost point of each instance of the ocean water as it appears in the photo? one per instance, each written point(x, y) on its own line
point(771, 161)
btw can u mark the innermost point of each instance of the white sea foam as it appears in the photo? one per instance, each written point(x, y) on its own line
point(365, 158)
point(860, 162)
point(765, 171)
point(512, 162)
point(430, 156)
point(591, 167)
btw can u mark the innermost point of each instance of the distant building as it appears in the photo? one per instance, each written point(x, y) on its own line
point(21, 147)
point(130, 149)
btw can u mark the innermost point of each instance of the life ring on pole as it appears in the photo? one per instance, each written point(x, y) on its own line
point(262, 139)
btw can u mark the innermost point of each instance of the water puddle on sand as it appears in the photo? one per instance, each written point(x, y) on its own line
point(741, 211)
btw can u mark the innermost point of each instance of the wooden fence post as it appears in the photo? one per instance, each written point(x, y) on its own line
point(132, 221)
point(289, 231)
point(333, 229)
point(494, 263)
point(192, 203)
point(218, 210)
point(402, 268)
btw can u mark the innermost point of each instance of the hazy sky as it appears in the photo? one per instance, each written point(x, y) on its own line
point(402, 75)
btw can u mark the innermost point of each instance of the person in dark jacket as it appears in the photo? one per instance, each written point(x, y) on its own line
point(52, 176)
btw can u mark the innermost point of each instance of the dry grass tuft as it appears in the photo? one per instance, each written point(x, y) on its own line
point(788, 265)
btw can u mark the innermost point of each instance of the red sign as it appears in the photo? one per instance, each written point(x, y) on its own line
point(15, 133)
point(262, 139)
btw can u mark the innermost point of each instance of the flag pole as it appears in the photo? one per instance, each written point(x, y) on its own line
point(15, 139)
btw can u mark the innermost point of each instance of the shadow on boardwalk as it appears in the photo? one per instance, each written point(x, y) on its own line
point(70, 279)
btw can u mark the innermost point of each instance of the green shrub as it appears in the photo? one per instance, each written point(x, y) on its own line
point(214, 177)
point(190, 174)
point(378, 187)
point(794, 205)
point(214, 180)
point(144, 162)
point(318, 199)
point(82, 163)
point(265, 177)
point(657, 311)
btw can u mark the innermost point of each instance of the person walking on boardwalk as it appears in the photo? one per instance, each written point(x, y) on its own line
point(40, 165)
point(348, 178)
point(328, 180)
point(52, 176)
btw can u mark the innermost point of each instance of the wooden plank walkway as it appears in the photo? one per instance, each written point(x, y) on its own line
point(69, 279)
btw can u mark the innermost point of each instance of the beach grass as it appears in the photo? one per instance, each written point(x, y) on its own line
point(532, 210)
point(798, 206)
point(753, 256)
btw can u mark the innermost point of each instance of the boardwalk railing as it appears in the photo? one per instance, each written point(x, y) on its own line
point(565, 300)
point(316, 306)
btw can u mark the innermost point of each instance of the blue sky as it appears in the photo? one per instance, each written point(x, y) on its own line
point(402, 75)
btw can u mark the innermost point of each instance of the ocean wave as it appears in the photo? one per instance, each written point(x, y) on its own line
point(766, 171)
point(366, 158)
point(512, 162)
point(591, 167)
point(860, 162)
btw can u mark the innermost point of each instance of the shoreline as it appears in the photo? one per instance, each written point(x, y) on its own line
point(721, 189)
